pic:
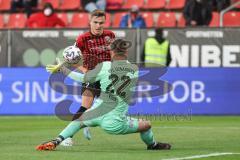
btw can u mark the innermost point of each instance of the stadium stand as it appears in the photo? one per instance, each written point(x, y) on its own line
point(16, 20)
point(108, 22)
point(55, 3)
point(79, 20)
point(114, 4)
point(70, 4)
point(148, 16)
point(234, 1)
point(215, 20)
point(129, 3)
point(5, 5)
point(157, 13)
point(117, 18)
point(175, 4)
point(181, 21)
point(231, 19)
point(166, 19)
point(64, 17)
point(153, 4)
point(1, 21)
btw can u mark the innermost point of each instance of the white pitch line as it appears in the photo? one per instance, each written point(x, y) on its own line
point(201, 156)
point(192, 127)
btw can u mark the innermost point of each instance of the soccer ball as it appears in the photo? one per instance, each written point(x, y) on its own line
point(72, 54)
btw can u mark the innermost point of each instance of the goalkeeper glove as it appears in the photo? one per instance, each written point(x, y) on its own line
point(54, 68)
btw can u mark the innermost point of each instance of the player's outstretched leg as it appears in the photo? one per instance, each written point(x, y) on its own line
point(144, 127)
point(70, 130)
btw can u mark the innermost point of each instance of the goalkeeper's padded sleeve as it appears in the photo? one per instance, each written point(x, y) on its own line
point(76, 76)
point(71, 129)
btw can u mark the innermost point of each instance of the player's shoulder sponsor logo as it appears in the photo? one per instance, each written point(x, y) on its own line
point(108, 40)
point(90, 41)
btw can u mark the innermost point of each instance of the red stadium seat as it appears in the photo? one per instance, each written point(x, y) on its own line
point(215, 20)
point(55, 3)
point(130, 3)
point(154, 4)
point(148, 16)
point(70, 4)
point(108, 20)
point(231, 19)
point(175, 4)
point(5, 5)
point(114, 4)
point(79, 20)
point(1, 21)
point(166, 19)
point(181, 21)
point(117, 18)
point(234, 1)
point(63, 17)
point(17, 20)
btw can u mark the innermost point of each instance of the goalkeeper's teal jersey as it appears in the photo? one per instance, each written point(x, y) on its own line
point(118, 80)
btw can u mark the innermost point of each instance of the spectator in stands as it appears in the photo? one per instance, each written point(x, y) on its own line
point(133, 19)
point(27, 5)
point(220, 4)
point(45, 19)
point(91, 5)
point(156, 50)
point(197, 13)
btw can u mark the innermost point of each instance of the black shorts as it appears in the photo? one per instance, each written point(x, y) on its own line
point(93, 87)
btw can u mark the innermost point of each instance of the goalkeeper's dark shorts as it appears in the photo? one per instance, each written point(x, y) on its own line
point(95, 88)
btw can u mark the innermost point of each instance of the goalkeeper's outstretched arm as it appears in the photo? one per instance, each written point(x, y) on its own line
point(91, 76)
point(76, 76)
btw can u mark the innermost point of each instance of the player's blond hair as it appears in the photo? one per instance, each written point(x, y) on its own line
point(98, 13)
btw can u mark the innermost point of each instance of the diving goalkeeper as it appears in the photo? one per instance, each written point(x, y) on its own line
point(118, 79)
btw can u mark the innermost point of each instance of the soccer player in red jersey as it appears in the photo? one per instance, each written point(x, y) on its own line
point(94, 45)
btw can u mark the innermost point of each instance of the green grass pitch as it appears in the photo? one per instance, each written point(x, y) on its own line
point(199, 135)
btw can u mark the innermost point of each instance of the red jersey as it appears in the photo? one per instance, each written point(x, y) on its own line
point(95, 49)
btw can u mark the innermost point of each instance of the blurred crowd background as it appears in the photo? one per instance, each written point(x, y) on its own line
point(120, 13)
